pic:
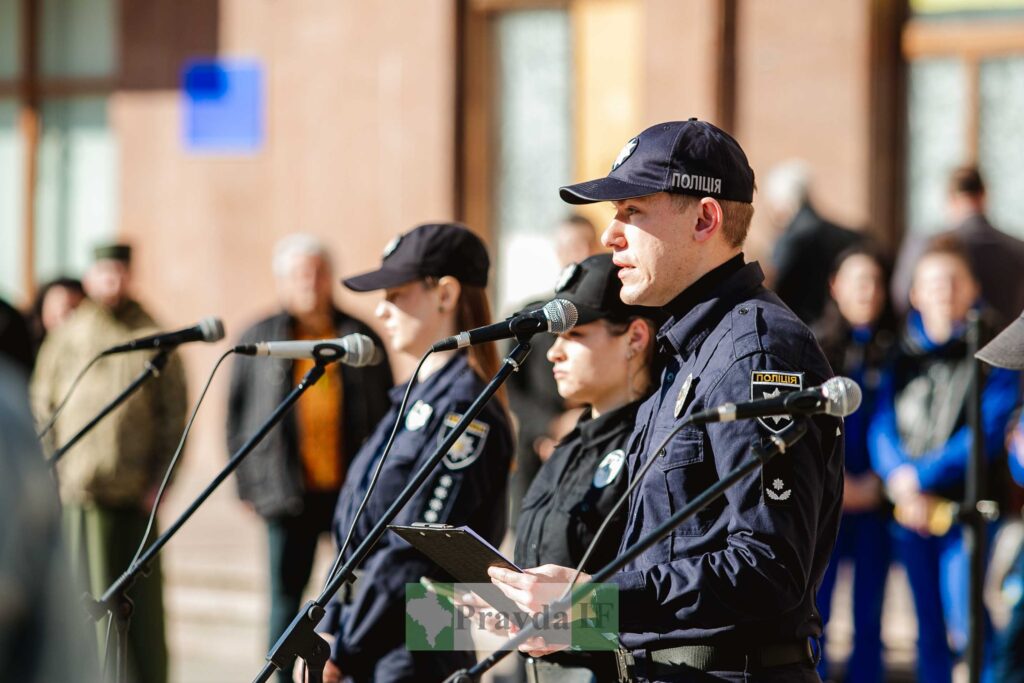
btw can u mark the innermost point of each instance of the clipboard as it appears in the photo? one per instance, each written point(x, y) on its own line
point(464, 554)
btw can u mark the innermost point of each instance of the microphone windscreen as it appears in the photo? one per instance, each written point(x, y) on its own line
point(360, 351)
point(212, 329)
point(561, 314)
point(843, 394)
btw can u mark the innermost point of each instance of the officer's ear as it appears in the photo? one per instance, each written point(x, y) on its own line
point(448, 291)
point(639, 335)
point(709, 219)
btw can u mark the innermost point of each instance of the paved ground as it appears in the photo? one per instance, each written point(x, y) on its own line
point(217, 607)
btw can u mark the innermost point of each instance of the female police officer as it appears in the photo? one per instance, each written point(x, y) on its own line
point(604, 363)
point(434, 278)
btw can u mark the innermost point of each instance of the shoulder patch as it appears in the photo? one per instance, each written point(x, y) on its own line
point(772, 383)
point(609, 469)
point(469, 446)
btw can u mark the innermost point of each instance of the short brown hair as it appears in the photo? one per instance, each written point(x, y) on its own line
point(736, 216)
point(947, 244)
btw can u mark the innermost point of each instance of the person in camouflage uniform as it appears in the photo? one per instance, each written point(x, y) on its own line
point(109, 479)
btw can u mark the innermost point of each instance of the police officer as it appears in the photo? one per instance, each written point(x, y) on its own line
point(604, 363)
point(434, 278)
point(729, 595)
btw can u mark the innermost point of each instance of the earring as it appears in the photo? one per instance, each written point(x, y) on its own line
point(629, 354)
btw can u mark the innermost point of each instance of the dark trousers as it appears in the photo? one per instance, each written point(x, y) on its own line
point(937, 569)
point(102, 542)
point(1010, 653)
point(291, 545)
point(863, 542)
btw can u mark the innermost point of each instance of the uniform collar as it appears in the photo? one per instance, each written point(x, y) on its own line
point(592, 429)
point(438, 382)
point(694, 309)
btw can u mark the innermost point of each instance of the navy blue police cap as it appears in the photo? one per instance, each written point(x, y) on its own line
point(593, 286)
point(685, 157)
point(428, 250)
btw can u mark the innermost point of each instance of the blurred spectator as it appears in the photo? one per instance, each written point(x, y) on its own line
point(108, 481)
point(293, 476)
point(54, 303)
point(575, 240)
point(532, 392)
point(15, 342)
point(809, 244)
point(856, 332)
point(42, 638)
point(920, 445)
point(996, 258)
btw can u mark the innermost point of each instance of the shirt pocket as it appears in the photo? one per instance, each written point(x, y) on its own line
point(685, 474)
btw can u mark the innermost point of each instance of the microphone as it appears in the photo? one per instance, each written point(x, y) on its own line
point(208, 330)
point(557, 316)
point(356, 350)
point(839, 397)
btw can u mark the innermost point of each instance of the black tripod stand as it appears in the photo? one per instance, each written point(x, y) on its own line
point(300, 639)
point(763, 453)
point(115, 600)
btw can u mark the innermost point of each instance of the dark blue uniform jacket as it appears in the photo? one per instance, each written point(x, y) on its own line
point(468, 487)
point(746, 569)
point(574, 491)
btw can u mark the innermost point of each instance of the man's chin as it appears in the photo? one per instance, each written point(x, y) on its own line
point(634, 295)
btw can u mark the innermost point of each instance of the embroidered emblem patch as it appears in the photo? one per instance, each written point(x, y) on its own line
point(390, 247)
point(684, 395)
point(567, 275)
point(469, 446)
point(772, 383)
point(418, 416)
point(608, 470)
point(778, 491)
point(626, 152)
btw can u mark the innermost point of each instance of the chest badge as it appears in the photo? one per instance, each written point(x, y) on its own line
point(419, 415)
point(609, 469)
point(468, 447)
point(684, 394)
point(772, 383)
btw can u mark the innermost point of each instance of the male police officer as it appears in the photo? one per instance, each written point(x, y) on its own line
point(729, 595)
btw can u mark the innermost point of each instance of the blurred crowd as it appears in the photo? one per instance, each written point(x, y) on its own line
point(896, 323)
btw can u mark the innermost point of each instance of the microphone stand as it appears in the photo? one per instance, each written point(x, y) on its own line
point(777, 443)
point(975, 524)
point(300, 638)
point(115, 600)
point(153, 368)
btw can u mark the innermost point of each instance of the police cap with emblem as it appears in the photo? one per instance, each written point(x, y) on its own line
point(112, 252)
point(593, 286)
point(685, 157)
point(429, 250)
point(1006, 350)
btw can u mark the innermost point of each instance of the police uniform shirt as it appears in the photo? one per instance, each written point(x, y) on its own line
point(574, 491)
point(745, 569)
point(467, 487)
